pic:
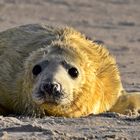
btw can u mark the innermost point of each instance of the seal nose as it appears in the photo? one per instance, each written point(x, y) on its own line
point(51, 88)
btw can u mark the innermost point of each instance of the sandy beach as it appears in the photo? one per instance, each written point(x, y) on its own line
point(115, 23)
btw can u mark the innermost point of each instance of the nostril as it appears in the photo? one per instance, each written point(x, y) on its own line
point(45, 87)
point(51, 87)
point(56, 87)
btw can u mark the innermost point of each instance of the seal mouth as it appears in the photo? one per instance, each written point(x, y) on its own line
point(54, 98)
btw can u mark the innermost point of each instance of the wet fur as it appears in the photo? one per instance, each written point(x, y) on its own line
point(21, 47)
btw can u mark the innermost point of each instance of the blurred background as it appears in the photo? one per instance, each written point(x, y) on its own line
point(116, 23)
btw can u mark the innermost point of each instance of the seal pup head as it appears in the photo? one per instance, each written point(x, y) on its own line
point(56, 74)
point(72, 77)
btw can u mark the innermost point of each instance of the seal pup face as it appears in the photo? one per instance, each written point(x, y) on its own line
point(59, 80)
point(56, 75)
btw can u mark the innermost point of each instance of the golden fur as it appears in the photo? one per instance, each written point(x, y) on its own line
point(98, 90)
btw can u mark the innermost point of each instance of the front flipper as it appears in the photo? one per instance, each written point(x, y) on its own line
point(128, 104)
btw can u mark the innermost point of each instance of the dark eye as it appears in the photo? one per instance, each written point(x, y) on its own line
point(73, 72)
point(36, 70)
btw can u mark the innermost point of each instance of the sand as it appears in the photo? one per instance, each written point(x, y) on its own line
point(116, 23)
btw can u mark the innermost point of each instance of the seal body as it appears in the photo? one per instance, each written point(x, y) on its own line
point(47, 70)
